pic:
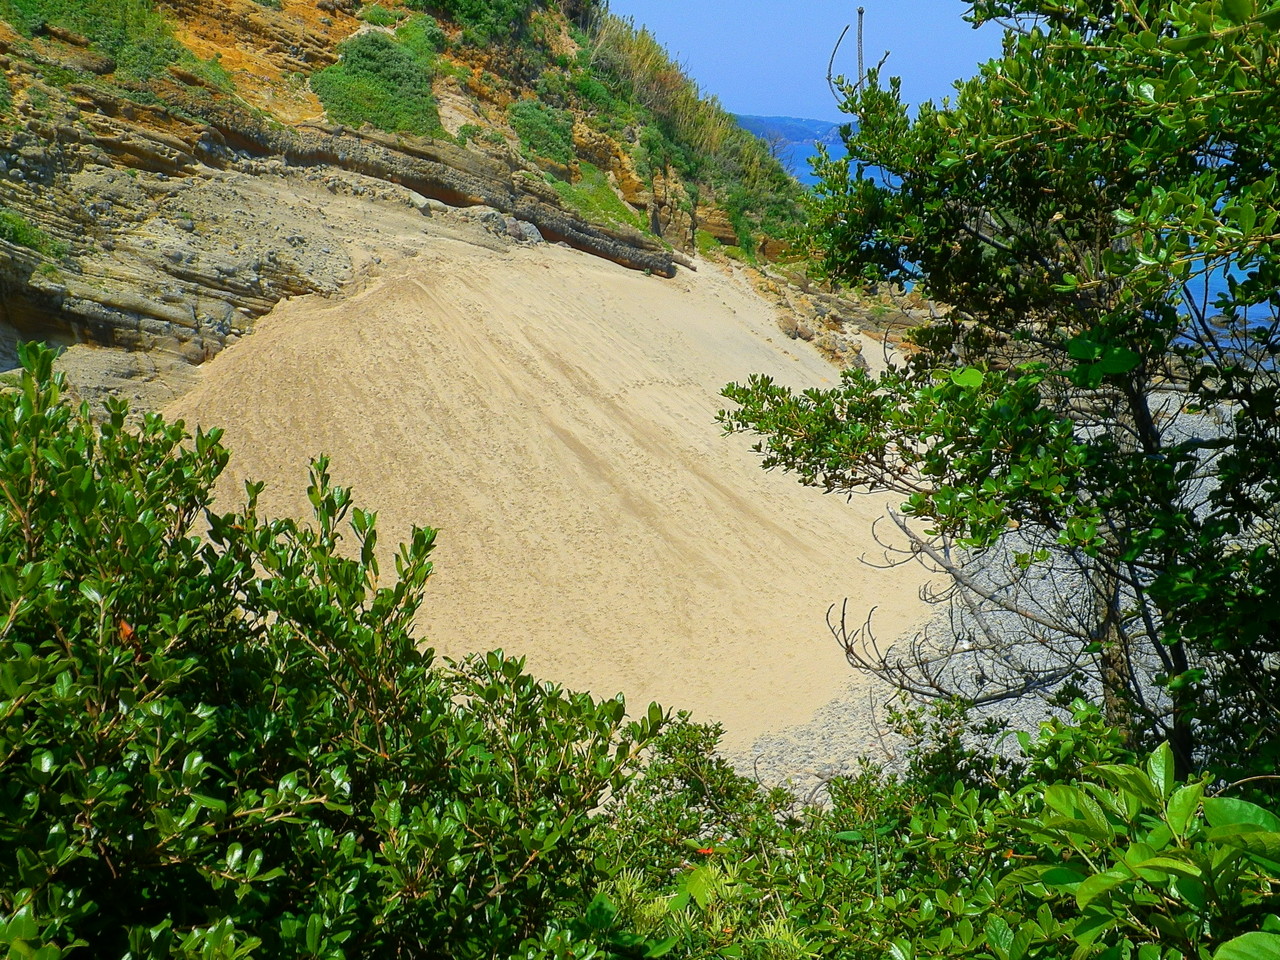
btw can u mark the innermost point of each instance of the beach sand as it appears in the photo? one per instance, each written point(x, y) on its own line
point(553, 415)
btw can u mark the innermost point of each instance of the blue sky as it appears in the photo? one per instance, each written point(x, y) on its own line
point(769, 58)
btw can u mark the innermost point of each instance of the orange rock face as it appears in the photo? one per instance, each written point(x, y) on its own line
point(267, 52)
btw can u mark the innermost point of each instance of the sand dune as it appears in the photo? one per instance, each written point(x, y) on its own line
point(553, 415)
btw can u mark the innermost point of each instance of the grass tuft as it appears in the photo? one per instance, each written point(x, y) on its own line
point(380, 16)
point(594, 198)
point(15, 228)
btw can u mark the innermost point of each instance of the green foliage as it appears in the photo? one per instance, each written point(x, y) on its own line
point(212, 72)
point(685, 130)
point(544, 131)
point(486, 21)
point(1083, 853)
point(706, 242)
point(595, 199)
point(552, 88)
point(15, 228)
point(232, 746)
point(131, 32)
point(591, 89)
point(383, 81)
point(506, 22)
point(422, 36)
point(379, 15)
point(1074, 204)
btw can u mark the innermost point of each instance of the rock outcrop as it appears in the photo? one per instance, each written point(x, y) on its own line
point(174, 239)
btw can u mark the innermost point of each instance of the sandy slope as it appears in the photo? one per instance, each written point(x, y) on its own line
point(553, 415)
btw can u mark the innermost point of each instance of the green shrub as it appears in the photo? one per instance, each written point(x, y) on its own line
point(231, 745)
point(484, 21)
point(17, 229)
point(544, 131)
point(422, 36)
point(381, 82)
point(1075, 851)
point(590, 89)
point(594, 198)
point(131, 32)
point(466, 133)
point(552, 87)
point(379, 15)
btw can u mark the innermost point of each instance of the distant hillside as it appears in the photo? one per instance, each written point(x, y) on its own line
point(794, 141)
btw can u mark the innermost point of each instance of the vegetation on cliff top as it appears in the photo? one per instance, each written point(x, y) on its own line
point(570, 60)
point(582, 63)
point(131, 32)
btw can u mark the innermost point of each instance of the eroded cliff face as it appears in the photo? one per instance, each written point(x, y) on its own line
point(160, 219)
point(171, 214)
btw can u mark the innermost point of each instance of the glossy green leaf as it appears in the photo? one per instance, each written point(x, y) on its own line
point(1250, 946)
point(970, 378)
point(1166, 866)
point(1183, 805)
point(1238, 11)
point(1263, 843)
point(1226, 811)
point(1099, 884)
point(1160, 766)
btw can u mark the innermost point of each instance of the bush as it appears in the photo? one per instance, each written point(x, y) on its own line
point(382, 82)
point(485, 21)
point(544, 131)
point(231, 745)
point(1081, 854)
point(421, 35)
point(594, 199)
point(591, 90)
point(379, 15)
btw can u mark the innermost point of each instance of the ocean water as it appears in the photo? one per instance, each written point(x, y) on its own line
point(796, 157)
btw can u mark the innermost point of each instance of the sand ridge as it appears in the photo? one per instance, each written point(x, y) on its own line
point(554, 416)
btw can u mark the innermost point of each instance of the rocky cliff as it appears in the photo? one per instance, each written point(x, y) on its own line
point(145, 212)
point(161, 209)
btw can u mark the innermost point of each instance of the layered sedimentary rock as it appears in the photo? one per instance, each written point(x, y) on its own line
point(163, 229)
